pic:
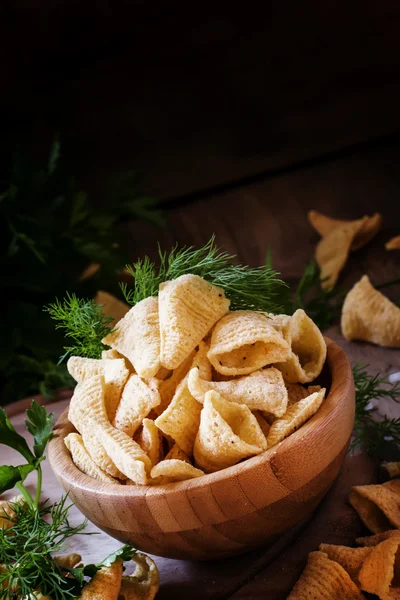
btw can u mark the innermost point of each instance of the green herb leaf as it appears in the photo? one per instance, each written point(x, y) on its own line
point(9, 437)
point(380, 438)
point(125, 553)
point(84, 322)
point(80, 573)
point(51, 231)
point(10, 476)
point(322, 306)
point(256, 288)
point(39, 424)
point(27, 550)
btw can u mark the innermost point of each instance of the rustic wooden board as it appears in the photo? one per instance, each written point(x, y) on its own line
point(273, 214)
point(195, 100)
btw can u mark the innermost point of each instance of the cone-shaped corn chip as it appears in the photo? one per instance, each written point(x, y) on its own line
point(88, 401)
point(137, 400)
point(82, 459)
point(177, 453)
point(149, 439)
point(89, 271)
point(377, 573)
point(244, 341)
point(369, 316)
point(105, 585)
point(295, 417)
point(175, 470)
point(69, 561)
point(137, 337)
point(228, 432)
point(308, 349)
point(332, 251)
point(393, 244)
point(163, 374)
point(99, 454)
point(111, 354)
point(189, 307)
point(263, 390)
point(115, 375)
point(167, 387)
point(145, 582)
point(111, 306)
point(262, 421)
point(378, 506)
point(313, 388)
point(351, 559)
point(181, 419)
point(269, 418)
point(324, 579)
point(296, 392)
point(324, 225)
point(127, 455)
point(392, 469)
point(374, 540)
point(114, 354)
point(278, 322)
point(201, 362)
point(6, 511)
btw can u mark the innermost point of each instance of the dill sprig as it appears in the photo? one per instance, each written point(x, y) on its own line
point(36, 531)
point(380, 439)
point(247, 288)
point(322, 306)
point(83, 322)
point(26, 550)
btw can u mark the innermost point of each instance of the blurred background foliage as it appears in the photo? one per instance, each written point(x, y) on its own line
point(54, 239)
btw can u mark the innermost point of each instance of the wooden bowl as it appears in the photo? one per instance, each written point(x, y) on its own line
point(236, 509)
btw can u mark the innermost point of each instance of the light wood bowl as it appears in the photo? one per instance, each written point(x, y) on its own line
point(236, 509)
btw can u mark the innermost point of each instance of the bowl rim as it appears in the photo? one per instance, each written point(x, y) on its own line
point(63, 467)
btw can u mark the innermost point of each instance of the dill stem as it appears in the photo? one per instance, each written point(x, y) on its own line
point(20, 486)
point(39, 486)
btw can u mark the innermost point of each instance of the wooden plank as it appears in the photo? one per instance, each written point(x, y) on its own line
point(273, 213)
point(196, 101)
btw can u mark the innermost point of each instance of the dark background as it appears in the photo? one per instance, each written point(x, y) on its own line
point(238, 118)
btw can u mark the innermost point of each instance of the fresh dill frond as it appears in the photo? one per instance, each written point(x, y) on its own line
point(27, 548)
point(249, 288)
point(37, 531)
point(246, 287)
point(322, 306)
point(203, 261)
point(146, 279)
point(380, 439)
point(83, 322)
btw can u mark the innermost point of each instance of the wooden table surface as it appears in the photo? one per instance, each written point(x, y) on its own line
point(247, 220)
